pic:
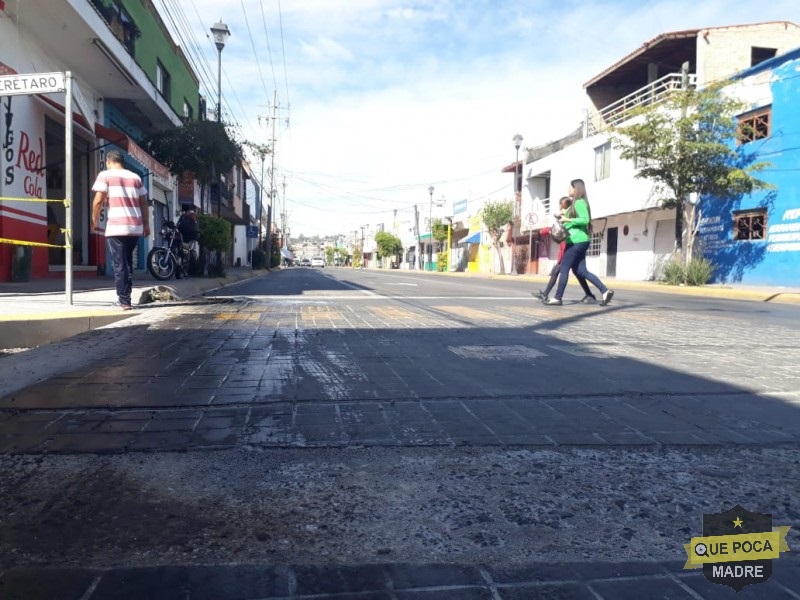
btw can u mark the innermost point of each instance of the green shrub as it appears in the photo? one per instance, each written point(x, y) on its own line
point(215, 233)
point(699, 271)
point(674, 273)
point(442, 261)
point(258, 259)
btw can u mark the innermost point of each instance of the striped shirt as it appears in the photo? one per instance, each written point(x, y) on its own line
point(123, 189)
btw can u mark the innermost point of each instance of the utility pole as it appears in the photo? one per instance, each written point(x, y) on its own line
point(681, 184)
point(271, 193)
point(416, 232)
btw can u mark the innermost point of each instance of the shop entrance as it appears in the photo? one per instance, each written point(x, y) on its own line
point(56, 213)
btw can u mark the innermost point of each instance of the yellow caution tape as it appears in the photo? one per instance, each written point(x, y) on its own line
point(24, 243)
point(34, 199)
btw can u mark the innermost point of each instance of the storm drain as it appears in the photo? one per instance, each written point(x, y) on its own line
point(496, 352)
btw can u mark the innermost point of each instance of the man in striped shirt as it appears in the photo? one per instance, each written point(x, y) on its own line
point(127, 219)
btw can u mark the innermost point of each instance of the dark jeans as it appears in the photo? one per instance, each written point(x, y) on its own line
point(554, 272)
point(575, 260)
point(122, 248)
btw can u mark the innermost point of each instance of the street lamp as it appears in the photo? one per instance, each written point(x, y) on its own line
point(517, 198)
point(430, 227)
point(363, 254)
point(221, 34)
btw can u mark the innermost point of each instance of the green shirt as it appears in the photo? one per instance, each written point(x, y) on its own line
point(578, 226)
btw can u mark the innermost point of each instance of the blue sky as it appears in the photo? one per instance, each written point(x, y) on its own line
point(387, 97)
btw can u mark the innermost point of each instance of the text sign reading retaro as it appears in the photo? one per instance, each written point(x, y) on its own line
point(32, 83)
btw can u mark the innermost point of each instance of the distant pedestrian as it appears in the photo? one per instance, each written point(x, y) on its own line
point(565, 203)
point(127, 218)
point(578, 222)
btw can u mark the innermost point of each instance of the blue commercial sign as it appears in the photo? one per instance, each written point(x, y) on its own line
point(459, 206)
point(252, 231)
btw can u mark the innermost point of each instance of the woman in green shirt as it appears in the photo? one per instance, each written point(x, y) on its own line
point(578, 222)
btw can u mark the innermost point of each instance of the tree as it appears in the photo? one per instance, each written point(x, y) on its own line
point(388, 244)
point(686, 144)
point(202, 148)
point(440, 231)
point(495, 216)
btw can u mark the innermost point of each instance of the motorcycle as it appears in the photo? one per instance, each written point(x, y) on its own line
point(173, 256)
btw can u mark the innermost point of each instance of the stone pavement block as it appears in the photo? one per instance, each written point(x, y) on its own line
point(121, 425)
point(712, 591)
point(627, 438)
point(45, 584)
point(99, 443)
point(607, 570)
point(237, 582)
point(322, 579)
point(159, 424)
point(156, 583)
point(567, 591)
point(217, 438)
point(651, 588)
point(460, 593)
point(533, 573)
point(22, 443)
point(406, 576)
point(163, 441)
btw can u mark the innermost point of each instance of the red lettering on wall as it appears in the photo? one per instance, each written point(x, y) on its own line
point(32, 161)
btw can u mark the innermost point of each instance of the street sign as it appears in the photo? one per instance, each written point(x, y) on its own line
point(32, 83)
point(529, 222)
point(252, 231)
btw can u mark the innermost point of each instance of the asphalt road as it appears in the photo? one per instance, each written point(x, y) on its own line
point(337, 433)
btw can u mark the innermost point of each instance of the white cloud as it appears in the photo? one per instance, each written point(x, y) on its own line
point(387, 97)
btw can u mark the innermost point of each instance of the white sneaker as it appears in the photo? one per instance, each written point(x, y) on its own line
point(607, 296)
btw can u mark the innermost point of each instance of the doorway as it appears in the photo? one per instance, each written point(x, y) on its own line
point(56, 182)
point(612, 234)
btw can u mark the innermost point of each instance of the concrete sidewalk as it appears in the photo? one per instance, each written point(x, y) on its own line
point(38, 312)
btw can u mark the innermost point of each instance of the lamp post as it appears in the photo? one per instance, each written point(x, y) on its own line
point(517, 197)
point(363, 254)
point(430, 227)
point(449, 229)
point(221, 34)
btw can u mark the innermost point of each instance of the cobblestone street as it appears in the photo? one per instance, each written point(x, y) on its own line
point(350, 444)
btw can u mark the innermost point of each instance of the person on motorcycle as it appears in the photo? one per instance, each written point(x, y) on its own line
point(188, 224)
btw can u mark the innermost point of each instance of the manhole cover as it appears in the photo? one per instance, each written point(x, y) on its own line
point(496, 352)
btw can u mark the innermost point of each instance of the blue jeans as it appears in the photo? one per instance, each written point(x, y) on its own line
point(121, 248)
point(575, 260)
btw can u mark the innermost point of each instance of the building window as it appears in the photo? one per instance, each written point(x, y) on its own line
point(187, 109)
point(594, 244)
point(755, 125)
point(759, 55)
point(162, 80)
point(750, 225)
point(602, 162)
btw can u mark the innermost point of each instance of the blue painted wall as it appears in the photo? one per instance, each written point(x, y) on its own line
point(774, 261)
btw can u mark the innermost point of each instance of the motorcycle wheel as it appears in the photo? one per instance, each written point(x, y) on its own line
point(161, 264)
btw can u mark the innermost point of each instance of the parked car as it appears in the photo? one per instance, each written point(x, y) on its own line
point(317, 262)
point(304, 262)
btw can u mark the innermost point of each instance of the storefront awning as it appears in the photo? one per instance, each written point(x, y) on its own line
point(471, 239)
point(286, 254)
point(121, 140)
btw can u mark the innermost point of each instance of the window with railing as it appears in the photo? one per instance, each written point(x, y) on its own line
point(750, 225)
point(162, 80)
point(595, 244)
point(755, 125)
point(602, 162)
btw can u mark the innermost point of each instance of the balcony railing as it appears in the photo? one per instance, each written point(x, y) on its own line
point(622, 109)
